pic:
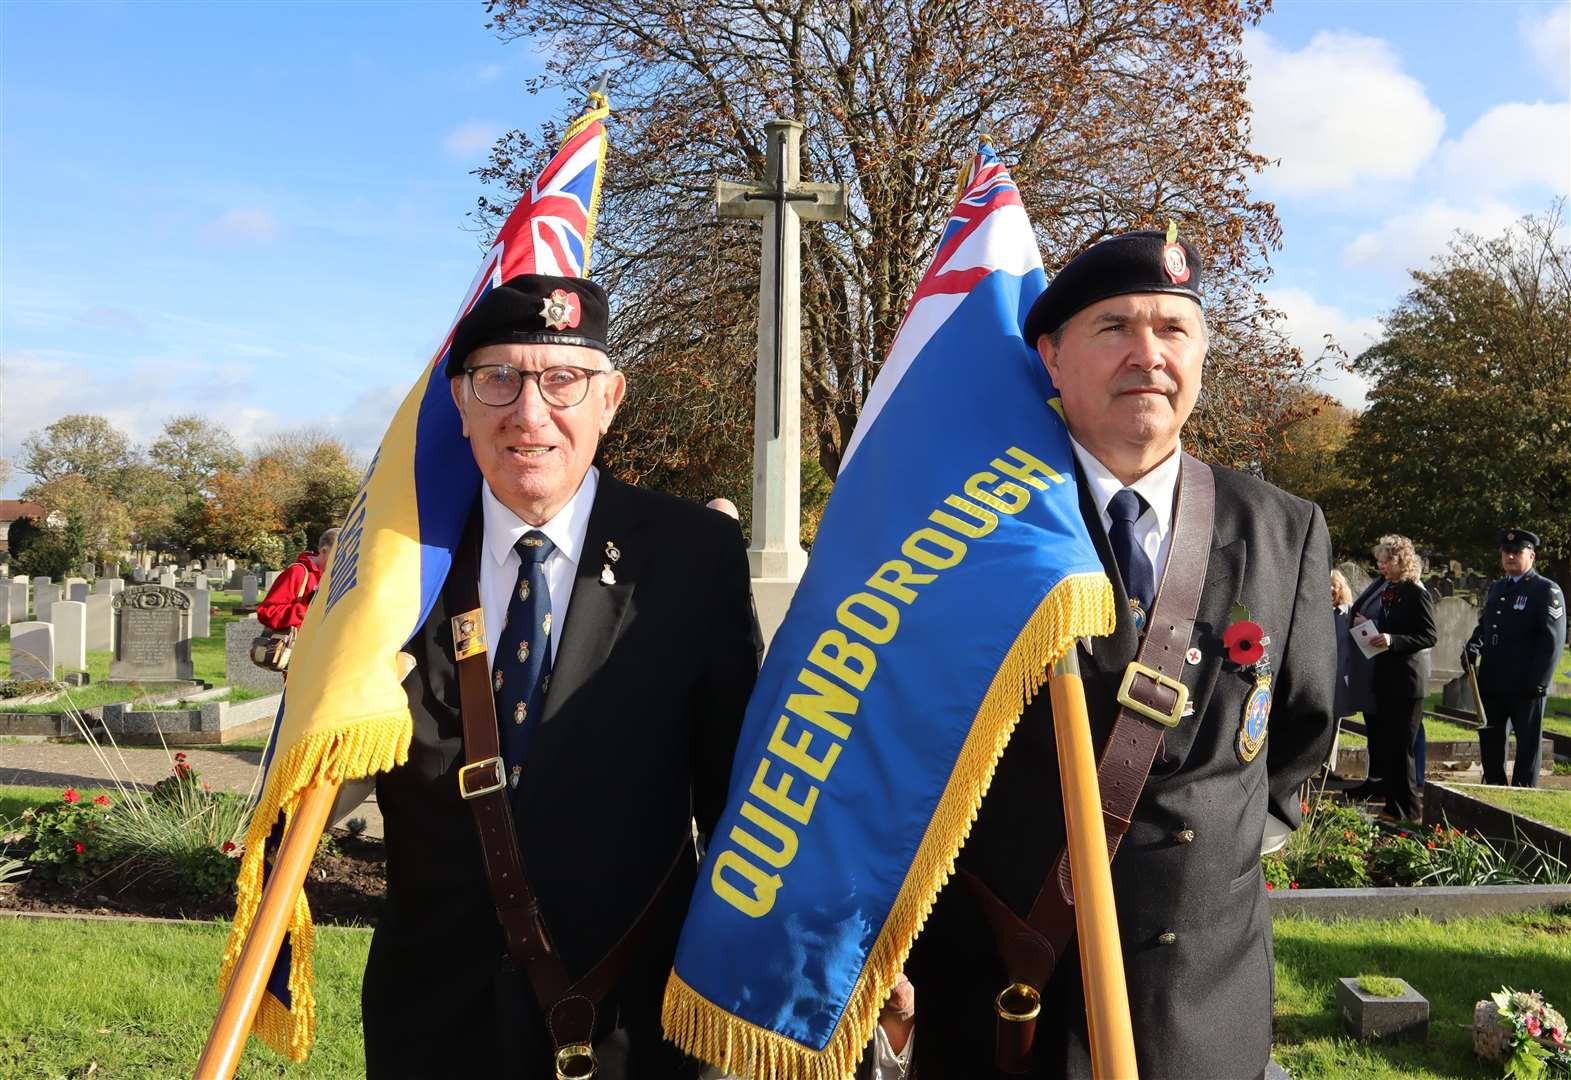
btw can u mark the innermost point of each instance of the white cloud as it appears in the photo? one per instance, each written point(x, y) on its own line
point(1307, 321)
point(469, 139)
point(1510, 146)
point(1410, 240)
point(1338, 112)
point(246, 224)
point(1547, 35)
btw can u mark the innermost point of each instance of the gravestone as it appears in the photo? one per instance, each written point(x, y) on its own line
point(43, 597)
point(228, 571)
point(32, 651)
point(18, 591)
point(248, 596)
point(100, 622)
point(43, 579)
point(108, 586)
point(1455, 619)
point(138, 576)
point(167, 578)
point(238, 668)
point(77, 591)
point(70, 621)
point(199, 583)
point(201, 611)
point(5, 606)
point(152, 635)
point(1358, 578)
point(272, 576)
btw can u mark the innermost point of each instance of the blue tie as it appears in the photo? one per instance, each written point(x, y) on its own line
point(521, 672)
point(1133, 564)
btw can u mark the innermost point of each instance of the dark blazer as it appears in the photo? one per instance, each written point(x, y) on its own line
point(640, 724)
point(1202, 1004)
point(1521, 630)
point(1408, 619)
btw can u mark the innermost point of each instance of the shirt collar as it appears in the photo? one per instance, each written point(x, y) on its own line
point(566, 530)
point(1155, 487)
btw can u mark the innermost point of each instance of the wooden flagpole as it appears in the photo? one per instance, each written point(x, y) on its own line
point(1096, 919)
point(237, 1011)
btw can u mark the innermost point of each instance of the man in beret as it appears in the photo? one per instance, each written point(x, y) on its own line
point(1521, 630)
point(617, 629)
point(1122, 333)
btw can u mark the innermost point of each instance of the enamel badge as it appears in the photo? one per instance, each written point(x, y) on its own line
point(1257, 713)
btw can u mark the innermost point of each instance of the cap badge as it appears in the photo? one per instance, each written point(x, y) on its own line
point(561, 310)
point(1175, 264)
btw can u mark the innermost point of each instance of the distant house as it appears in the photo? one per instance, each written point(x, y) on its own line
point(12, 510)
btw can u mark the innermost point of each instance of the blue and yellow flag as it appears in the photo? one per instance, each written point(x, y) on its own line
point(345, 715)
point(951, 569)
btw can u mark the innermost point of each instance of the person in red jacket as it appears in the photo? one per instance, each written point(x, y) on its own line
point(284, 606)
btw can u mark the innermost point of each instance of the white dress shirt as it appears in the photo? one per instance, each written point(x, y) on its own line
point(1154, 527)
point(499, 561)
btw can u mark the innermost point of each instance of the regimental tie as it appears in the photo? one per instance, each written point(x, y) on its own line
point(522, 669)
point(1134, 565)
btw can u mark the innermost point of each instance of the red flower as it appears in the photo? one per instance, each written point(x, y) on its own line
point(1558, 1035)
point(228, 847)
point(80, 847)
point(1431, 845)
point(1269, 886)
point(71, 796)
point(1403, 835)
point(102, 800)
point(1243, 642)
point(207, 787)
point(179, 756)
point(1304, 807)
point(1292, 884)
point(1534, 1027)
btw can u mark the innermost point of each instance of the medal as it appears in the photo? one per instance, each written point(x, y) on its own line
point(1139, 614)
point(1257, 712)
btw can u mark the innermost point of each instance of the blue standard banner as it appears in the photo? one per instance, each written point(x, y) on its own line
point(950, 570)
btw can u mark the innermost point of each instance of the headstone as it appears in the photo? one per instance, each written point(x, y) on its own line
point(101, 622)
point(138, 576)
point(111, 570)
point(248, 596)
point(201, 612)
point(18, 591)
point(108, 586)
point(32, 651)
point(228, 569)
point(5, 605)
point(77, 591)
point(44, 579)
point(22, 578)
point(199, 583)
point(167, 578)
point(272, 576)
point(1358, 578)
point(43, 597)
point(70, 622)
point(152, 635)
point(238, 668)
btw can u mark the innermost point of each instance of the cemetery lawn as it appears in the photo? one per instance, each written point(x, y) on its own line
point(1543, 805)
point(207, 662)
point(16, 798)
point(136, 1000)
point(1453, 964)
point(1435, 730)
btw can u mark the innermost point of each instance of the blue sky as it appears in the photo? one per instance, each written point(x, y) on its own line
point(258, 212)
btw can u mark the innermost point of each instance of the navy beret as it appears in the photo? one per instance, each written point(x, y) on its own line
point(1134, 262)
point(1517, 539)
point(533, 309)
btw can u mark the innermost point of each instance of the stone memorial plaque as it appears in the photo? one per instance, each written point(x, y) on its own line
point(249, 595)
point(32, 650)
point(77, 591)
point(152, 635)
point(44, 596)
point(100, 622)
point(70, 621)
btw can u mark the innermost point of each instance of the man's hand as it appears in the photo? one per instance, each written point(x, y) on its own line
point(1470, 653)
point(898, 1017)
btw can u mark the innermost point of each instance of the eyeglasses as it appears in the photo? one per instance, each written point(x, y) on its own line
point(561, 385)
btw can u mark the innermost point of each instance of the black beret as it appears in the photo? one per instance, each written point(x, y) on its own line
point(1517, 539)
point(1134, 262)
point(532, 309)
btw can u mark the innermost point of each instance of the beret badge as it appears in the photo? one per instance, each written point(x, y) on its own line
point(561, 310)
point(1175, 264)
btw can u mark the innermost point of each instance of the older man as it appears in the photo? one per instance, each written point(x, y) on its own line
point(540, 837)
point(1521, 630)
point(1198, 556)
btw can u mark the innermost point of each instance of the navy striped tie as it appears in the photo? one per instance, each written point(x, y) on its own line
point(1133, 563)
point(521, 673)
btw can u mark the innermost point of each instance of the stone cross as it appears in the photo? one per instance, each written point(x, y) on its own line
point(782, 202)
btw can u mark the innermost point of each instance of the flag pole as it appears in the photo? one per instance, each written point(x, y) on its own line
point(237, 1011)
point(1096, 919)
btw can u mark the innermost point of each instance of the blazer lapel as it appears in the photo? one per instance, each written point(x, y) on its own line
point(597, 610)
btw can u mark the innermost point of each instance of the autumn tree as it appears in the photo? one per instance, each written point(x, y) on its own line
point(190, 452)
point(89, 446)
point(1111, 115)
point(243, 516)
point(1469, 420)
point(1304, 456)
point(316, 479)
point(104, 521)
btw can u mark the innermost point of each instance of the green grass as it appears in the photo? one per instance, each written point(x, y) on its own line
point(1453, 964)
point(1384, 986)
point(1548, 807)
point(207, 664)
point(136, 1000)
point(1435, 730)
point(15, 799)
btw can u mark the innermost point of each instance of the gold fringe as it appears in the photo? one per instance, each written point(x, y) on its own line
point(599, 109)
point(364, 747)
point(1080, 605)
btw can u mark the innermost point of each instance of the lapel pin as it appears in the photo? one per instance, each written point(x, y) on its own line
point(1193, 656)
point(606, 576)
point(612, 554)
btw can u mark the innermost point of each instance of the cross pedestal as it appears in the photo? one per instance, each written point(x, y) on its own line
point(782, 202)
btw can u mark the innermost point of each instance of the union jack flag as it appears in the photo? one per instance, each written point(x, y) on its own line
point(550, 230)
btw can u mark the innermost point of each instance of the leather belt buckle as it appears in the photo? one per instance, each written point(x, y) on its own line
point(498, 778)
point(1169, 718)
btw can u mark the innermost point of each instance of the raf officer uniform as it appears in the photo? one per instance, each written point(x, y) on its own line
point(1191, 899)
point(630, 737)
point(1521, 630)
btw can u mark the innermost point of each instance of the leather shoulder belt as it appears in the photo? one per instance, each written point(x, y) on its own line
point(1151, 699)
point(569, 1004)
